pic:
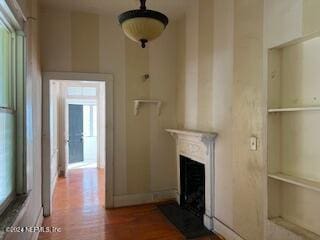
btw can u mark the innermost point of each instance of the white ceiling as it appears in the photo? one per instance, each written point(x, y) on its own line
point(173, 8)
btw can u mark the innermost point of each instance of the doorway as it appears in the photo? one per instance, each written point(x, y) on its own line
point(83, 138)
point(74, 108)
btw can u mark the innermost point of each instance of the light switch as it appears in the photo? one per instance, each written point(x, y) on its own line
point(253, 144)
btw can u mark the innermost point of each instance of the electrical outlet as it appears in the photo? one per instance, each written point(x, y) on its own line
point(253, 143)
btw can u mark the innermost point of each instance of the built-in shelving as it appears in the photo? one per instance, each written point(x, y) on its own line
point(297, 109)
point(293, 136)
point(295, 228)
point(312, 185)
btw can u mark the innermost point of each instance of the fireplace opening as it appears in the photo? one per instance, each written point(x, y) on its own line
point(192, 183)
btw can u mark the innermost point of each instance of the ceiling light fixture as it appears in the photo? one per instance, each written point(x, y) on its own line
point(143, 25)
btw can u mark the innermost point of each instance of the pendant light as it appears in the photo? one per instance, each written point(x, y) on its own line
point(143, 25)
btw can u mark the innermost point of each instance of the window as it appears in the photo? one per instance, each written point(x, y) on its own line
point(89, 91)
point(90, 120)
point(82, 91)
point(74, 91)
point(11, 81)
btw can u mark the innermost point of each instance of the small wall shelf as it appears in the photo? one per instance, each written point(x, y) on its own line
point(278, 110)
point(312, 185)
point(138, 102)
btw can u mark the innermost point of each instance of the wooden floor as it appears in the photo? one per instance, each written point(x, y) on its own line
point(78, 210)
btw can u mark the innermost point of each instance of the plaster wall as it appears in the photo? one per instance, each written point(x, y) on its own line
point(163, 86)
point(311, 17)
point(222, 87)
point(86, 42)
point(221, 63)
point(227, 94)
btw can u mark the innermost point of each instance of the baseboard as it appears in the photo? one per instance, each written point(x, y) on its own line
point(38, 223)
point(225, 231)
point(54, 182)
point(208, 222)
point(144, 198)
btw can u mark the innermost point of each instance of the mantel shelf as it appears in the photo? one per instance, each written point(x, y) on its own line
point(298, 109)
point(194, 133)
point(312, 185)
point(138, 102)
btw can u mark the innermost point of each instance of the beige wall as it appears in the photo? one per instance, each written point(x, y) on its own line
point(222, 87)
point(163, 85)
point(138, 127)
point(85, 42)
point(226, 92)
point(222, 91)
point(219, 49)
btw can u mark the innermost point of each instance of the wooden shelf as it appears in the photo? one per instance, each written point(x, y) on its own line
point(306, 234)
point(139, 102)
point(312, 185)
point(278, 110)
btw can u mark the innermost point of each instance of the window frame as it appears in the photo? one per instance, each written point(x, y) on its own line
point(16, 104)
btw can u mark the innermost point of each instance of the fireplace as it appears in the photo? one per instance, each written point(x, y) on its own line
point(195, 165)
point(192, 180)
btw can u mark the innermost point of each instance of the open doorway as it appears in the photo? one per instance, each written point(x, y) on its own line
point(82, 131)
point(83, 106)
point(78, 138)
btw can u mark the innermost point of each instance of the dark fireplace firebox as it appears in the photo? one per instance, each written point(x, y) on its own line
point(192, 182)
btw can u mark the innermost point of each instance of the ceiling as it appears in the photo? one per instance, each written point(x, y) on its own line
point(173, 8)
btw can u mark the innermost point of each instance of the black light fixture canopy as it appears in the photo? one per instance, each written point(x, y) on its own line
point(143, 25)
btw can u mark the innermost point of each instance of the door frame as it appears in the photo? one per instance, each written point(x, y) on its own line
point(46, 144)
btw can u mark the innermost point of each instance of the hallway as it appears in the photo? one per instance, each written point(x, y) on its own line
point(78, 210)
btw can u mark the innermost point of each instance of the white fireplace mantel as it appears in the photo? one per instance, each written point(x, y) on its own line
point(200, 147)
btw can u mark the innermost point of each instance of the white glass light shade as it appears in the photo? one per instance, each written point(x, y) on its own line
point(142, 28)
point(143, 25)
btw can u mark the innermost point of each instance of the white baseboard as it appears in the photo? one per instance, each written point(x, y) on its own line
point(54, 183)
point(225, 231)
point(143, 198)
point(208, 222)
point(38, 223)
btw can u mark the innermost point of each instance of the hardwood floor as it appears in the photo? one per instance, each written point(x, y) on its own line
point(78, 210)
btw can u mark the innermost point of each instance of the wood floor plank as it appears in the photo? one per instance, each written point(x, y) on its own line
point(78, 209)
